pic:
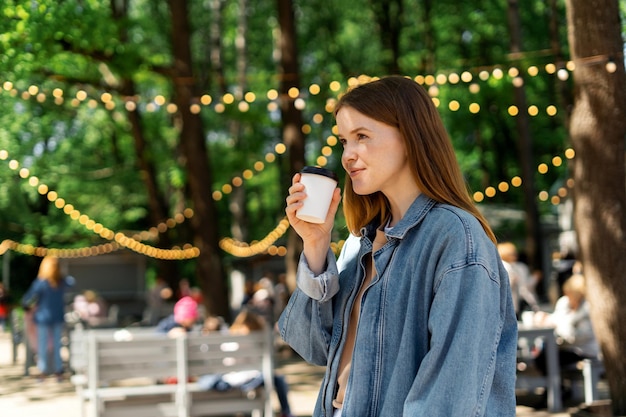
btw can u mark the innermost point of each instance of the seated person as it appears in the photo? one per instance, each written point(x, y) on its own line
point(572, 326)
point(523, 283)
point(214, 324)
point(90, 308)
point(246, 322)
point(182, 320)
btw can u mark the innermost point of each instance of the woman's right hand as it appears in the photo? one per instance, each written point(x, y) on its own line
point(315, 237)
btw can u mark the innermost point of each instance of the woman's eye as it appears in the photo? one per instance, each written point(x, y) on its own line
point(342, 141)
point(361, 136)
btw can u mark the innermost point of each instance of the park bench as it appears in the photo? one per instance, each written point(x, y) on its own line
point(140, 373)
point(590, 371)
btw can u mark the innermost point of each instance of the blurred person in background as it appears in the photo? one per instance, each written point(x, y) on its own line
point(281, 294)
point(157, 299)
point(248, 321)
point(90, 308)
point(181, 320)
point(523, 283)
point(572, 326)
point(5, 307)
point(184, 289)
point(46, 297)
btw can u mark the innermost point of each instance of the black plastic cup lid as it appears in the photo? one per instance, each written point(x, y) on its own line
point(319, 171)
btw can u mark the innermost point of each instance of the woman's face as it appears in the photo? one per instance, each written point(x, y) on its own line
point(374, 154)
point(575, 298)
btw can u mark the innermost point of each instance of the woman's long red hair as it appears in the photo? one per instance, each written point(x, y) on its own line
point(402, 103)
point(49, 270)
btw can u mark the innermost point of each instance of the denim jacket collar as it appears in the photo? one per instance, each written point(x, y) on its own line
point(414, 215)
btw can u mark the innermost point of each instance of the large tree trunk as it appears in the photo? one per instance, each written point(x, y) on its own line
point(598, 129)
point(209, 270)
point(215, 53)
point(237, 199)
point(156, 201)
point(291, 118)
point(389, 15)
point(427, 62)
point(534, 239)
point(563, 91)
point(237, 206)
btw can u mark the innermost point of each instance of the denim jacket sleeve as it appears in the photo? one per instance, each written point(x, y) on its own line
point(70, 281)
point(32, 294)
point(466, 321)
point(307, 320)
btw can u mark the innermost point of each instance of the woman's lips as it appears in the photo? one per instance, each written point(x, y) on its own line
point(355, 172)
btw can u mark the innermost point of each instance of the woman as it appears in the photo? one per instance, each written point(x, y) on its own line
point(572, 325)
point(182, 320)
point(46, 295)
point(245, 322)
point(522, 283)
point(415, 318)
point(4, 307)
point(90, 308)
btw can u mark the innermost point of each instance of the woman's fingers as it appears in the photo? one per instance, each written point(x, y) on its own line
point(295, 201)
point(295, 197)
point(334, 205)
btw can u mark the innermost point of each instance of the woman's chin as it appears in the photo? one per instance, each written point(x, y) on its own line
point(363, 191)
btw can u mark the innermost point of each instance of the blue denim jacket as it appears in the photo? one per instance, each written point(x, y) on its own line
point(50, 301)
point(437, 334)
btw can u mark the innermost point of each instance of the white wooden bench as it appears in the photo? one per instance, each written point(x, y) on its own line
point(145, 374)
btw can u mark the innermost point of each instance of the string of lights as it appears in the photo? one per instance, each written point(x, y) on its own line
point(470, 78)
point(229, 245)
point(242, 249)
point(119, 238)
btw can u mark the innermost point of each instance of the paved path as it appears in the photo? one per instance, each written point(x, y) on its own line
point(23, 396)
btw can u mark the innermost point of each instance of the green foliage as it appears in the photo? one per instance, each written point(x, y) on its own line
point(86, 152)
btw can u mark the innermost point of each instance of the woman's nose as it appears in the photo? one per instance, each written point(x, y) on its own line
point(349, 153)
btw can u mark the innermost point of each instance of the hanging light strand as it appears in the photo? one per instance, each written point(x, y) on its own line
point(470, 77)
point(120, 239)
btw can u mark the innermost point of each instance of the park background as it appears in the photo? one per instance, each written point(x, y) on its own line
point(171, 130)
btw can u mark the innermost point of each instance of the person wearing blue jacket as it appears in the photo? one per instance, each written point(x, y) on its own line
point(415, 317)
point(46, 296)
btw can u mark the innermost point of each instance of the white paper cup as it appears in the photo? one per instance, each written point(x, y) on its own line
point(319, 185)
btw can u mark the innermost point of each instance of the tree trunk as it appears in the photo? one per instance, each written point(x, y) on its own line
point(209, 268)
point(158, 207)
point(563, 91)
point(237, 206)
point(389, 15)
point(427, 63)
point(534, 239)
point(216, 43)
point(291, 118)
point(598, 128)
